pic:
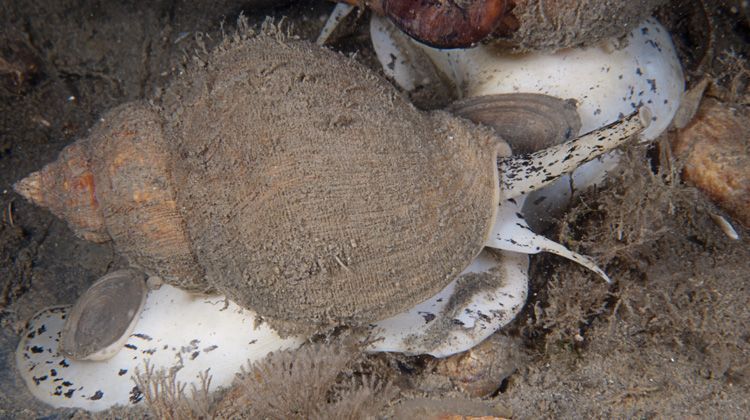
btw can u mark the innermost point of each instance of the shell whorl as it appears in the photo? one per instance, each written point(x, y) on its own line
point(116, 185)
point(66, 187)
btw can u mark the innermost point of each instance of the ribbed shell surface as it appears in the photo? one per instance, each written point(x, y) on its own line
point(313, 193)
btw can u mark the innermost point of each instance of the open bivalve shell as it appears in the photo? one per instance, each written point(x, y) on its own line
point(175, 330)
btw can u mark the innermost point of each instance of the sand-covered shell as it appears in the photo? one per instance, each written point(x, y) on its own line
point(276, 171)
point(116, 185)
point(341, 207)
point(557, 24)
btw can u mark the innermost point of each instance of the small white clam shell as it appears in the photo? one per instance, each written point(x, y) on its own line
point(725, 226)
point(176, 330)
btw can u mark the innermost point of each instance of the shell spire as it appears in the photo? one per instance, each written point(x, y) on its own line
point(66, 187)
point(116, 185)
point(31, 189)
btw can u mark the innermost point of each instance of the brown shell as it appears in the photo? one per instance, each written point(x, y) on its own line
point(529, 122)
point(115, 185)
point(308, 189)
point(314, 193)
point(130, 160)
point(66, 188)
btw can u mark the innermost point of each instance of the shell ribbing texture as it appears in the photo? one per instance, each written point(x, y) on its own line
point(314, 193)
point(136, 194)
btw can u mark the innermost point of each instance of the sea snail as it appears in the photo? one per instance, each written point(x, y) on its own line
point(301, 186)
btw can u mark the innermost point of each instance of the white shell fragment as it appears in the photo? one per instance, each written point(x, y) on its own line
point(463, 314)
point(176, 330)
point(725, 226)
